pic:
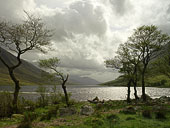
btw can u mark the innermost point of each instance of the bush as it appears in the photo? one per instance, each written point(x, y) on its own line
point(28, 105)
point(112, 117)
point(43, 99)
point(160, 114)
point(27, 121)
point(147, 113)
point(52, 112)
point(6, 107)
point(58, 97)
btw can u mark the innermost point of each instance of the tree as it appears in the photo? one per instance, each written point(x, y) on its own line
point(133, 58)
point(126, 62)
point(147, 41)
point(19, 39)
point(52, 64)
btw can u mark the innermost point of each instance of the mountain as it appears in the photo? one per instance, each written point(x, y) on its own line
point(83, 80)
point(27, 73)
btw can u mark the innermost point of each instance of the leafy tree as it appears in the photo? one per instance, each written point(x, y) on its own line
point(52, 64)
point(19, 39)
point(126, 62)
point(147, 41)
point(133, 58)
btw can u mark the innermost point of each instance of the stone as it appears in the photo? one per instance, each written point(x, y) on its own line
point(67, 111)
point(164, 99)
point(86, 110)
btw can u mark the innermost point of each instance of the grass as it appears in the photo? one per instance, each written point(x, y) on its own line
point(103, 117)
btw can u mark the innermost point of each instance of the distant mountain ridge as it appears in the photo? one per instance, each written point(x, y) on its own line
point(83, 80)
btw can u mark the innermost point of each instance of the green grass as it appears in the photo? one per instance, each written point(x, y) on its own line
point(103, 117)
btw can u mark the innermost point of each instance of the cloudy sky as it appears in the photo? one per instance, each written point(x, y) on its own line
point(88, 31)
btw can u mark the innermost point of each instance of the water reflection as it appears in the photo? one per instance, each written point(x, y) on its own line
point(82, 92)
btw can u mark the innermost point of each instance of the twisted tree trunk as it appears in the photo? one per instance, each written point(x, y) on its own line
point(65, 91)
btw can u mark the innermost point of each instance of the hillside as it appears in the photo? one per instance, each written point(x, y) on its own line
point(27, 73)
point(151, 81)
point(83, 80)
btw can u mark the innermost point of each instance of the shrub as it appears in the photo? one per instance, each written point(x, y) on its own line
point(147, 113)
point(52, 112)
point(160, 114)
point(6, 107)
point(27, 121)
point(112, 117)
point(43, 99)
point(28, 104)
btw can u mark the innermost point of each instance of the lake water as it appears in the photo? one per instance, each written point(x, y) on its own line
point(88, 92)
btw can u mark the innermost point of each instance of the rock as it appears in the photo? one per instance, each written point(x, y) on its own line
point(17, 116)
point(164, 99)
point(96, 100)
point(148, 98)
point(67, 111)
point(129, 110)
point(86, 110)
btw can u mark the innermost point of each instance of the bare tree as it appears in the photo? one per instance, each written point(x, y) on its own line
point(52, 64)
point(19, 39)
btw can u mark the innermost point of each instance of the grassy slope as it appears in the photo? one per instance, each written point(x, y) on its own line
point(151, 81)
point(25, 77)
point(27, 73)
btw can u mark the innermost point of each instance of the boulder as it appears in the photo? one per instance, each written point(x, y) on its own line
point(164, 99)
point(86, 110)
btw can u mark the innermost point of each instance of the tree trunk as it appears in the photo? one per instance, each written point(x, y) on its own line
point(135, 80)
point(17, 88)
point(143, 84)
point(128, 95)
point(135, 90)
point(65, 93)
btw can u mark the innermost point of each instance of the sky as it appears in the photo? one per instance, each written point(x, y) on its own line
point(87, 32)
